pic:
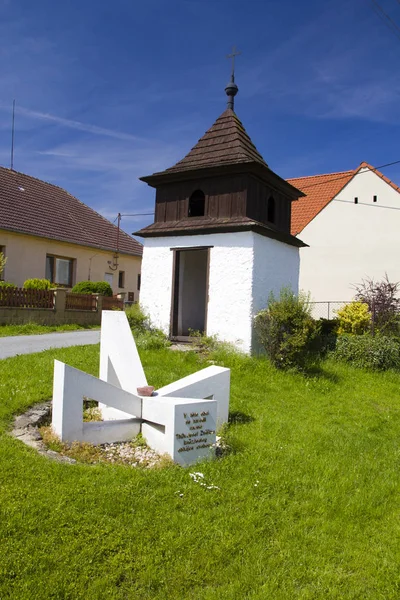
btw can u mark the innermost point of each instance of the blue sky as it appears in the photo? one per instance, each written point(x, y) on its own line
point(110, 91)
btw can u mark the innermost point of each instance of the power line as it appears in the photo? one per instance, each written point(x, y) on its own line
point(133, 215)
point(138, 215)
point(366, 204)
point(389, 22)
point(396, 162)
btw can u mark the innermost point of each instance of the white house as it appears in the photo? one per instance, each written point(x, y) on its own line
point(221, 238)
point(351, 224)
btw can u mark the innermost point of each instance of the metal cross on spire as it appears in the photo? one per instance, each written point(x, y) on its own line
point(235, 53)
point(232, 89)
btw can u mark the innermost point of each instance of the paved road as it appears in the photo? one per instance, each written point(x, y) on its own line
point(26, 344)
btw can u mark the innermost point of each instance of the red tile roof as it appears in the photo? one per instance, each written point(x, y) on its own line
point(34, 207)
point(320, 190)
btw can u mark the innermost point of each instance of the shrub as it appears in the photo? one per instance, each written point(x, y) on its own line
point(354, 318)
point(37, 284)
point(84, 287)
point(92, 287)
point(382, 302)
point(7, 285)
point(103, 288)
point(288, 333)
point(365, 351)
point(3, 261)
point(147, 337)
point(137, 320)
point(154, 339)
point(328, 329)
point(329, 326)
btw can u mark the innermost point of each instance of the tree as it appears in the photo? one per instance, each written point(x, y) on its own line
point(383, 303)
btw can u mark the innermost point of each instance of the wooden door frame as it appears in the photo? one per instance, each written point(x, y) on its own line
point(175, 297)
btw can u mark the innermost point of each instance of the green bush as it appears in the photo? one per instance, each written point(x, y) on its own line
point(92, 287)
point(3, 261)
point(328, 326)
point(7, 285)
point(154, 339)
point(328, 333)
point(365, 351)
point(84, 287)
point(137, 320)
point(37, 284)
point(354, 318)
point(103, 288)
point(146, 336)
point(288, 333)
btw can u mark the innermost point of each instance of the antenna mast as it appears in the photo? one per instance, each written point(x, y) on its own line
point(12, 136)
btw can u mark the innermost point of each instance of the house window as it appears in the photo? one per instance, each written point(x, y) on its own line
point(197, 202)
point(109, 278)
point(121, 279)
point(3, 252)
point(375, 198)
point(356, 200)
point(59, 270)
point(139, 281)
point(271, 210)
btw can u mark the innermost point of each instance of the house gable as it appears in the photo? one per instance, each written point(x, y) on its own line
point(320, 190)
point(354, 237)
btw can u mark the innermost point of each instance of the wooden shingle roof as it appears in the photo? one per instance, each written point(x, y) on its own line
point(34, 207)
point(225, 143)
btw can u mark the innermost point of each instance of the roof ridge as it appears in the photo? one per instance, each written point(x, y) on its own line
point(323, 175)
point(69, 218)
point(41, 181)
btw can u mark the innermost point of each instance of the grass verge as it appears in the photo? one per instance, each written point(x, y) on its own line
point(35, 329)
point(305, 506)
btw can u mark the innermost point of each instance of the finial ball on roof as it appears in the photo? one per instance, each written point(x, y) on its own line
point(231, 89)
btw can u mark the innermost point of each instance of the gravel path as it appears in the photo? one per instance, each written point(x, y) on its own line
point(26, 344)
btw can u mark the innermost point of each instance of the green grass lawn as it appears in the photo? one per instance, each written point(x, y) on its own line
point(35, 328)
point(308, 505)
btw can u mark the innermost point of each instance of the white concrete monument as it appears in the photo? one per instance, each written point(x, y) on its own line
point(179, 419)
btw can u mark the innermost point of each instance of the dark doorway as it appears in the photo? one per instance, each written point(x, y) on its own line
point(190, 292)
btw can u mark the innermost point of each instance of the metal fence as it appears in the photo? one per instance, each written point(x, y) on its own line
point(327, 310)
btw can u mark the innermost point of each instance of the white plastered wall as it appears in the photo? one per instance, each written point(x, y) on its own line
point(244, 268)
point(349, 242)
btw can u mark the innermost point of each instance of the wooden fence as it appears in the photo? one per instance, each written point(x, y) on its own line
point(80, 302)
point(45, 299)
point(110, 303)
point(20, 298)
point(53, 307)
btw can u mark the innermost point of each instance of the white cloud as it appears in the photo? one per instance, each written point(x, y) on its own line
point(80, 126)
